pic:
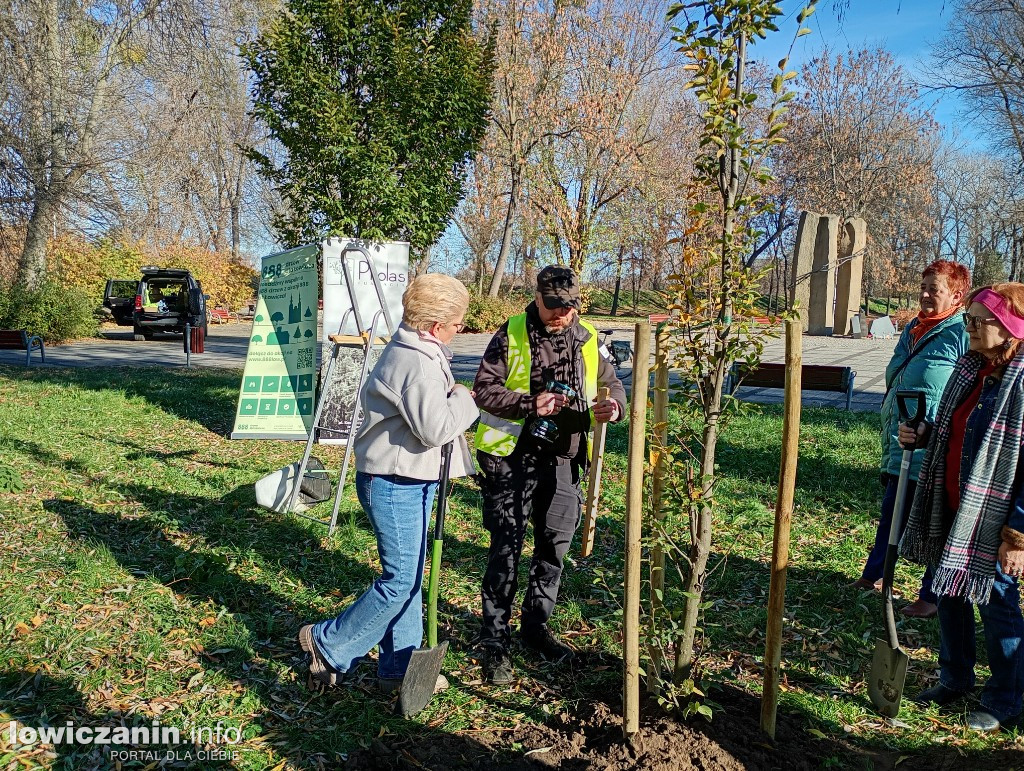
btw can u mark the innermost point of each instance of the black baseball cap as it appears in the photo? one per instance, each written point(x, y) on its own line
point(558, 288)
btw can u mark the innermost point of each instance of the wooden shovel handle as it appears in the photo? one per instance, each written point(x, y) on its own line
point(594, 484)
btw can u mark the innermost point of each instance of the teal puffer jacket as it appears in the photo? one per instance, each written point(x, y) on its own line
point(928, 370)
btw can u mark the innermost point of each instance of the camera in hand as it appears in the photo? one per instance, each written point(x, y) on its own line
point(545, 430)
point(555, 387)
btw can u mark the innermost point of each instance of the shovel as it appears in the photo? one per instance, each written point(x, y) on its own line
point(425, 664)
point(889, 666)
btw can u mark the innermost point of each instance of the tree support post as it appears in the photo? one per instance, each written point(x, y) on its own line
point(780, 541)
point(634, 512)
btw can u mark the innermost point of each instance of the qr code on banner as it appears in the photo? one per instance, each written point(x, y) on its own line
point(304, 360)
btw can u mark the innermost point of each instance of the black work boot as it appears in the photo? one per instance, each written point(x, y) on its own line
point(541, 639)
point(497, 665)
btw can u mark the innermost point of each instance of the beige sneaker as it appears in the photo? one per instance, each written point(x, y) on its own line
point(319, 668)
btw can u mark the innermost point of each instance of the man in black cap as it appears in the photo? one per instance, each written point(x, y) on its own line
point(537, 391)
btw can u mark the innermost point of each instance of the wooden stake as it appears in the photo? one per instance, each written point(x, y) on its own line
point(783, 516)
point(634, 511)
point(594, 485)
point(657, 493)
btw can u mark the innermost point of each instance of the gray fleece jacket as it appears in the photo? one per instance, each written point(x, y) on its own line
point(411, 407)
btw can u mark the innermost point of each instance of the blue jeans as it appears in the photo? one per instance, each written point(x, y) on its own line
point(1004, 629)
point(875, 564)
point(390, 612)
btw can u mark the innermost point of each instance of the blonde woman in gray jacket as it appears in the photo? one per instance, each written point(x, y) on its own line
point(412, 406)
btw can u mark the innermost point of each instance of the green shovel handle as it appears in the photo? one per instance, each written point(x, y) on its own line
point(435, 550)
point(435, 575)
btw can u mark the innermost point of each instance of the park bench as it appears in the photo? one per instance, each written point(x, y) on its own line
point(218, 315)
point(21, 340)
point(813, 377)
point(248, 313)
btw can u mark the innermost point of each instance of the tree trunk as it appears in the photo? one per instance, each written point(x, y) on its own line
point(700, 550)
point(480, 267)
point(728, 183)
point(32, 264)
point(506, 235)
point(618, 284)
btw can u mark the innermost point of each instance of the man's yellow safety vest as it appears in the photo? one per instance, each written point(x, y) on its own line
point(498, 436)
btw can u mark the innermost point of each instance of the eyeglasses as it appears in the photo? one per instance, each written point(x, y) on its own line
point(459, 326)
point(975, 321)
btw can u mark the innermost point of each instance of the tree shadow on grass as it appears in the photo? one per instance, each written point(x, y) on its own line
point(206, 396)
point(193, 550)
point(271, 619)
point(35, 701)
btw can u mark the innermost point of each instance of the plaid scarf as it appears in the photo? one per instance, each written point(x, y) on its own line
point(964, 545)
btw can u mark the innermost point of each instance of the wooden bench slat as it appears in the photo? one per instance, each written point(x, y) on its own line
point(813, 377)
point(21, 340)
point(13, 339)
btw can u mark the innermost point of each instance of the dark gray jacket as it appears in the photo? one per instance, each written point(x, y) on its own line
point(552, 357)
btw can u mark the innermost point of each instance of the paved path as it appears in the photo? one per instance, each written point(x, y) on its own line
point(226, 346)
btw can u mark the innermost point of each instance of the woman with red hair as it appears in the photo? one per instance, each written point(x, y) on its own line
point(967, 519)
point(923, 360)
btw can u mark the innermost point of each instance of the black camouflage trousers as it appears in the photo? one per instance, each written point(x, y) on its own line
point(516, 490)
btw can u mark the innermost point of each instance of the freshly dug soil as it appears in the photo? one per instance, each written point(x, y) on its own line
point(591, 738)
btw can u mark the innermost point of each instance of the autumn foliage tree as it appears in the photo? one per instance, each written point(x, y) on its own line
point(859, 144)
point(714, 298)
point(86, 266)
point(530, 65)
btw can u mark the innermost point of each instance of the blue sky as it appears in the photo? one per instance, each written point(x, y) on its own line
point(906, 28)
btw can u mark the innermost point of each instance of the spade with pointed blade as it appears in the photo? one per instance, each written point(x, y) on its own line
point(425, 664)
point(889, 665)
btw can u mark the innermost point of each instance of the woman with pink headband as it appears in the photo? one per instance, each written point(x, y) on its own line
point(967, 520)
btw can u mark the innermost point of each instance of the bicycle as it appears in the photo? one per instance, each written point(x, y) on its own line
point(616, 352)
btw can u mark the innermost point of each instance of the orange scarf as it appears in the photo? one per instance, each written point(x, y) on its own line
point(927, 323)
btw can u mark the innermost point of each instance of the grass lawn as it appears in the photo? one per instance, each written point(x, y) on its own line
point(139, 581)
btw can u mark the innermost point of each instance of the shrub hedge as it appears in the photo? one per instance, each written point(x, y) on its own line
point(486, 314)
point(54, 311)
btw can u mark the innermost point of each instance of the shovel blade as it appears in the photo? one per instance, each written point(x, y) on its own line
point(888, 673)
point(420, 679)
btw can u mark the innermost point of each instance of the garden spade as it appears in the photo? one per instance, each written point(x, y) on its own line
point(425, 664)
point(889, 666)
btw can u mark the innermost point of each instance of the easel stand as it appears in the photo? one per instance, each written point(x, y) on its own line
point(367, 340)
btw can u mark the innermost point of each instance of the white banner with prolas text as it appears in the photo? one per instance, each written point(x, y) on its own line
point(390, 262)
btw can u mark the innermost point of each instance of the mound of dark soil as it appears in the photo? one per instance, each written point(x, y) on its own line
point(591, 738)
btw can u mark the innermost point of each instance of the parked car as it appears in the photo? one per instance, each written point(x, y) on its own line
point(163, 300)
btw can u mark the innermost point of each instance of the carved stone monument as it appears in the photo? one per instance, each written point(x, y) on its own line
point(850, 274)
point(820, 312)
point(827, 270)
point(803, 257)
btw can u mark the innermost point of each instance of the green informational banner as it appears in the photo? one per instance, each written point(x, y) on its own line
point(277, 396)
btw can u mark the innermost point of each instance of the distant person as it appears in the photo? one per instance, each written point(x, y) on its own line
point(924, 358)
point(967, 518)
point(533, 450)
point(413, 407)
